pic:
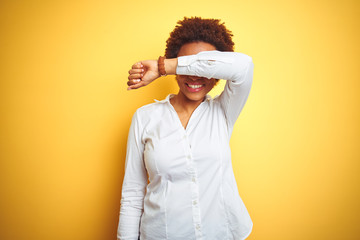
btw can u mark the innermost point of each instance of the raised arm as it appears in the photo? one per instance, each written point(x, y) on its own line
point(134, 185)
point(236, 68)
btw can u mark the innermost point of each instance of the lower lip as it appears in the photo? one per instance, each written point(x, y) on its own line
point(194, 89)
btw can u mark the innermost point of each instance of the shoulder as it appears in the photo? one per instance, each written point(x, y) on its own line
point(150, 112)
point(150, 108)
point(143, 110)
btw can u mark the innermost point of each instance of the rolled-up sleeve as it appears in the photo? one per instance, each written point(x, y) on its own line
point(134, 185)
point(236, 68)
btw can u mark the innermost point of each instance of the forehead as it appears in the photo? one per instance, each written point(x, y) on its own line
point(194, 48)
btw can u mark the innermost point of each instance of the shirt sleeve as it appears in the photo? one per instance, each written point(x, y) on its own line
point(236, 68)
point(134, 185)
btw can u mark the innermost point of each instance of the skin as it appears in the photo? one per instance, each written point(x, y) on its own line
point(187, 100)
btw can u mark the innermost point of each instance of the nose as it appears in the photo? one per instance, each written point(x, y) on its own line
point(194, 78)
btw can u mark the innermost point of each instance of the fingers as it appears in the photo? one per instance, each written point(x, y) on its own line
point(136, 86)
point(133, 71)
point(136, 71)
point(137, 65)
point(133, 82)
point(135, 74)
point(136, 68)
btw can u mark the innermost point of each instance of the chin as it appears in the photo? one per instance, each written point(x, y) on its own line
point(195, 97)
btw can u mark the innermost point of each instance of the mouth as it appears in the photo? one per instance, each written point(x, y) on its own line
point(194, 87)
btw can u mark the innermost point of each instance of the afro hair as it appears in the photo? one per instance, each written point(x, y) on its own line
point(197, 29)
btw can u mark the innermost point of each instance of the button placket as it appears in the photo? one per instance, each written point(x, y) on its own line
point(194, 186)
point(194, 189)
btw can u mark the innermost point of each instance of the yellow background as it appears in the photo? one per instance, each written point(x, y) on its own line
point(65, 112)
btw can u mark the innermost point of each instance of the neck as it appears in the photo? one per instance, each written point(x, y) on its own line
point(183, 104)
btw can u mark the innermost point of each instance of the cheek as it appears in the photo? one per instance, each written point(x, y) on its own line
point(212, 83)
point(179, 79)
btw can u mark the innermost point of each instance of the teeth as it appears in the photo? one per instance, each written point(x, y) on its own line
point(195, 86)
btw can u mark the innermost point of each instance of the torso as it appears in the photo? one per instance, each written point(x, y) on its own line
point(187, 165)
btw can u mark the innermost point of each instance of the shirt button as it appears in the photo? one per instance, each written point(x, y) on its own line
point(195, 202)
point(188, 157)
point(193, 179)
point(197, 226)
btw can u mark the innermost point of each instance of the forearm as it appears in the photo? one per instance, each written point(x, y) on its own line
point(130, 218)
point(210, 64)
point(215, 64)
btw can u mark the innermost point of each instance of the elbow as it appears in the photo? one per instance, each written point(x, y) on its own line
point(244, 66)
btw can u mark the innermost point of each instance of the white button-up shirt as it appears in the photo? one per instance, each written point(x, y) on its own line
point(191, 193)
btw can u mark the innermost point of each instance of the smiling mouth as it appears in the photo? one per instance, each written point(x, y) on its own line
point(193, 88)
point(197, 86)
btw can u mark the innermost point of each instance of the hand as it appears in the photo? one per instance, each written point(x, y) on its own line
point(142, 73)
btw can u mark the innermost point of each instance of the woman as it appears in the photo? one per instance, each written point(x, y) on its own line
point(181, 144)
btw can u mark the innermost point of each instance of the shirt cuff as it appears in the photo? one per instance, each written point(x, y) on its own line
point(186, 60)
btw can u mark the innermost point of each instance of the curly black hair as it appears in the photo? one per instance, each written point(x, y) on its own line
point(196, 29)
